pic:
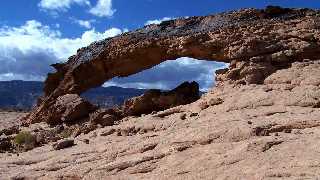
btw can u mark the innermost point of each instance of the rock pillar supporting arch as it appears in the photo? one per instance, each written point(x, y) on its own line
point(254, 42)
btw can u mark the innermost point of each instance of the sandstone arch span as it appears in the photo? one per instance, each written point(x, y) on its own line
point(255, 43)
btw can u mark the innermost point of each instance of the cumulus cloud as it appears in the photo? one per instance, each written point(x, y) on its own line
point(60, 5)
point(27, 51)
point(32, 64)
point(170, 74)
point(158, 21)
point(103, 8)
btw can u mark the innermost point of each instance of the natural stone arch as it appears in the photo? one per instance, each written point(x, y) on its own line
point(254, 42)
point(169, 74)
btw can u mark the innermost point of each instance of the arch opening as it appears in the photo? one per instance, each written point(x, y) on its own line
point(169, 74)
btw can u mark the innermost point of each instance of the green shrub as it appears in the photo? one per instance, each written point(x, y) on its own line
point(25, 140)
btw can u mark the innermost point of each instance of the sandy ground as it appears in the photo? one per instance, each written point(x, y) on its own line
point(9, 118)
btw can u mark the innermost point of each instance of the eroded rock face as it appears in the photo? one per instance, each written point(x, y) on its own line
point(155, 100)
point(68, 108)
point(255, 42)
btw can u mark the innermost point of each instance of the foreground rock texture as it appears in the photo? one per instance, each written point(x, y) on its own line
point(256, 43)
point(256, 131)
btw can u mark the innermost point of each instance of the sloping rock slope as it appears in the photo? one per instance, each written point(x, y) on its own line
point(261, 121)
point(267, 131)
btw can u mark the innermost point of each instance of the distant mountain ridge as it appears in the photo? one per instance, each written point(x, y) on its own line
point(23, 95)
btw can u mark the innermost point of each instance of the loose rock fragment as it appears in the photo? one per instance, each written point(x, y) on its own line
point(65, 143)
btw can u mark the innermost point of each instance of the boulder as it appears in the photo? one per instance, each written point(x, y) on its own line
point(105, 117)
point(68, 109)
point(156, 100)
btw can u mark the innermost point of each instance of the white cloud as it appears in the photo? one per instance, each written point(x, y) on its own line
point(158, 21)
point(83, 23)
point(91, 36)
point(35, 35)
point(28, 50)
point(103, 8)
point(60, 5)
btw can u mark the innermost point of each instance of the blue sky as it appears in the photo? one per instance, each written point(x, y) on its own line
point(36, 33)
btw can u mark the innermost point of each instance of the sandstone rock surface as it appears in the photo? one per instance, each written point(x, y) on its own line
point(256, 131)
